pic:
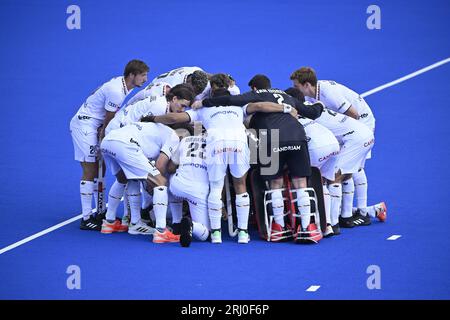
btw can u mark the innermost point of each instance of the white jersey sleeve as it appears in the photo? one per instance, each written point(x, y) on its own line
point(234, 90)
point(170, 141)
point(330, 93)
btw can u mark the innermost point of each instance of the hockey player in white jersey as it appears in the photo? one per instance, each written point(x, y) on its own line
point(190, 183)
point(87, 129)
point(127, 151)
point(341, 99)
point(180, 97)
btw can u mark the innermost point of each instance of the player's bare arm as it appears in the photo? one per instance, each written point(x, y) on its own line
point(170, 118)
point(351, 112)
point(271, 107)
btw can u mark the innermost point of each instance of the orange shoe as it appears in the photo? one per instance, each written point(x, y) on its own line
point(382, 214)
point(116, 226)
point(166, 236)
point(279, 233)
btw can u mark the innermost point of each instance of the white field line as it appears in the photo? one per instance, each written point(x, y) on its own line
point(408, 76)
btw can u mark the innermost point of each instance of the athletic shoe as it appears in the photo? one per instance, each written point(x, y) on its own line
point(328, 231)
point(185, 232)
point(140, 228)
point(336, 229)
point(216, 236)
point(116, 226)
point(165, 236)
point(382, 213)
point(310, 234)
point(279, 233)
point(360, 220)
point(100, 217)
point(90, 224)
point(243, 236)
point(346, 222)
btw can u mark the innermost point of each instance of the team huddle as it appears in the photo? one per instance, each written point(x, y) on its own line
point(173, 146)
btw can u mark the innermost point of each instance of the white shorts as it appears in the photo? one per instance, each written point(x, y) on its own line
point(223, 153)
point(85, 141)
point(324, 158)
point(128, 157)
point(198, 206)
point(352, 156)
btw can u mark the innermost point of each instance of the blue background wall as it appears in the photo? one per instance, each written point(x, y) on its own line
point(47, 71)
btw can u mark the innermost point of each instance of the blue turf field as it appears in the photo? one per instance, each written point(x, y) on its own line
point(48, 70)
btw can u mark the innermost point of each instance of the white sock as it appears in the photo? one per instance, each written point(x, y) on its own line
point(199, 231)
point(278, 207)
point(242, 210)
point(134, 198)
point(327, 203)
point(304, 207)
point(114, 196)
point(361, 186)
point(86, 192)
point(372, 210)
point(215, 211)
point(348, 191)
point(336, 199)
point(160, 202)
point(176, 208)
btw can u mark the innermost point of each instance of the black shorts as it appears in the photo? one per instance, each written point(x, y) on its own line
point(293, 156)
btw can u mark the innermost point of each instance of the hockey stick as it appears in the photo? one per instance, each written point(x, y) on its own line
point(100, 189)
point(231, 231)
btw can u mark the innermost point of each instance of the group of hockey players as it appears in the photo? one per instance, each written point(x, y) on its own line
point(171, 146)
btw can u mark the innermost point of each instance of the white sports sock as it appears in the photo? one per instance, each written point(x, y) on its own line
point(215, 210)
point(336, 199)
point(86, 192)
point(348, 192)
point(361, 186)
point(199, 231)
point(327, 203)
point(242, 210)
point(278, 206)
point(134, 198)
point(372, 210)
point(176, 208)
point(160, 202)
point(114, 196)
point(304, 207)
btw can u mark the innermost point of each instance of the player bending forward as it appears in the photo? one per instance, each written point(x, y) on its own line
point(127, 151)
point(339, 98)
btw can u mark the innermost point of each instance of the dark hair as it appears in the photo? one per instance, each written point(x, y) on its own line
point(220, 92)
point(296, 93)
point(260, 81)
point(181, 91)
point(199, 80)
point(305, 74)
point(135, 67)
point(220, 80)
